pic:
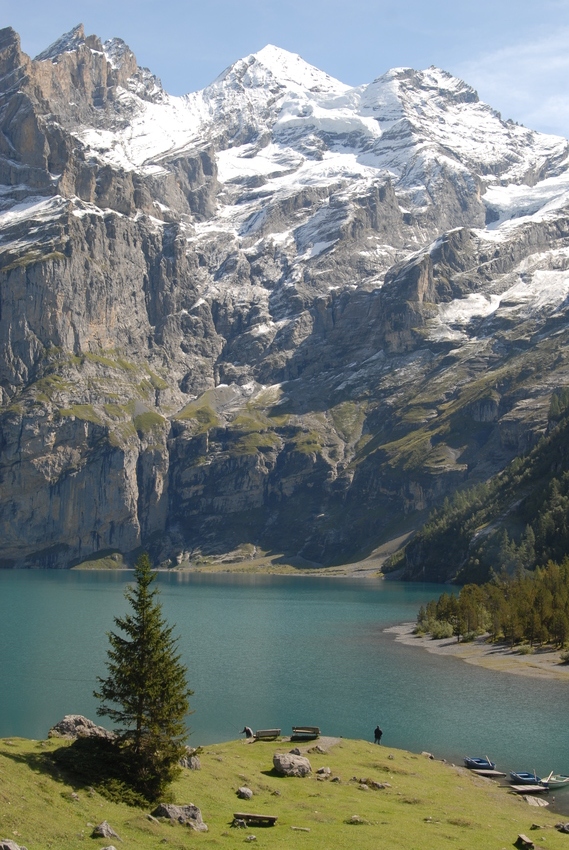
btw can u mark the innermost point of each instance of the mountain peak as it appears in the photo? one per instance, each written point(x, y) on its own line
point(66, 43)
point(292, 67)
point(288, 69)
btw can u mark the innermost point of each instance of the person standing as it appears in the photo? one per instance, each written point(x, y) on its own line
point(377, 733)
point(248, 732)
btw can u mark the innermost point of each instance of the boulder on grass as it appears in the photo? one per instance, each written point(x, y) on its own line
point(8, 844)
point(287, 764)
point(104, 830)
point(189, 815)
point(75, 726)
point(244, 793)
point(190, 760)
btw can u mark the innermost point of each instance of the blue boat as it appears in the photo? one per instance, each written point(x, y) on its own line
point(479, 763)
point(525, 778)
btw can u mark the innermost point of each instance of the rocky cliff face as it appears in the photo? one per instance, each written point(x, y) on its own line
point(279, 312)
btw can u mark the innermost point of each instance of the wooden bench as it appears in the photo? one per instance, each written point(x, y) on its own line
point(253, 820)
point(305, 732)
point(267, 734)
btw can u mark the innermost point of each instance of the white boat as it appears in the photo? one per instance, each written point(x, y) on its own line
point(557, 780)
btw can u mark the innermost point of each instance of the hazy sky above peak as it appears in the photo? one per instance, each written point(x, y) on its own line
point(514, 52)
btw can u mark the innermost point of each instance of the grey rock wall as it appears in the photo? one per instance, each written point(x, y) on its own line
point(191, 365)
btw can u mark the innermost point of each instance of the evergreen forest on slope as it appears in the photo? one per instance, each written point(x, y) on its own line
point(516, 521)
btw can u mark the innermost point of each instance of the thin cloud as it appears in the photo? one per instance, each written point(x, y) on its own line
point(526, 82)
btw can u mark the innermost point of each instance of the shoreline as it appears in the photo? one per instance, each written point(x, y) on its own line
point(541, 663)
point(343, 571)
point(262, 563)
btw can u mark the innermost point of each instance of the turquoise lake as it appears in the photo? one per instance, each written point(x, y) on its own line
point(277, 651)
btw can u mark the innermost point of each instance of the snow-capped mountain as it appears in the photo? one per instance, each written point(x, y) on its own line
point(281, 311)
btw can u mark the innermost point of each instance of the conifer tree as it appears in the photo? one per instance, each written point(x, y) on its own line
point(146, 691)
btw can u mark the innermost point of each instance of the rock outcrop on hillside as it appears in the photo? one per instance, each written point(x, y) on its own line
point(75, 726)
point(280, 313)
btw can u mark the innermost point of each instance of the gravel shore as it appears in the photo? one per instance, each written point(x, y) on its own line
point(541, 663)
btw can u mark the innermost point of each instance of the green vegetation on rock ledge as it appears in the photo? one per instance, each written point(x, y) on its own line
point(202, 413)
point(31, 257)
point(427, 805)
point(85, 412)
point(149, 421)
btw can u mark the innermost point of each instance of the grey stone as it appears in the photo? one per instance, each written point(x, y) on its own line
point(104, 830)
point(191, 759)
point(188, 814)
point(191, 762)
point(8, 844)
point(244, 793)
point(287, 764)
point(76, 726)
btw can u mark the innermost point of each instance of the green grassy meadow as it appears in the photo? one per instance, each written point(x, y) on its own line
point(429, 804)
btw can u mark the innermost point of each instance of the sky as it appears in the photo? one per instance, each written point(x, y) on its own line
point(515, 53)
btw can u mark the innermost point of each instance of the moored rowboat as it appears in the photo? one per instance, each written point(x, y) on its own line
point(525, 778)
point(557, 780)
point(479, 763)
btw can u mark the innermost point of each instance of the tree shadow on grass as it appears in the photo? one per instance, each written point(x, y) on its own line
point(87, 763)
point(38, 763)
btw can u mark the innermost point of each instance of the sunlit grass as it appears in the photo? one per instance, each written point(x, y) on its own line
point(426, 804)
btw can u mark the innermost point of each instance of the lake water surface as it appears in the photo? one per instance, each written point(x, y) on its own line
point(277, 651)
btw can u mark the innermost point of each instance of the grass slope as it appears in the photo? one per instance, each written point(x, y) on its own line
point(428, 804)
